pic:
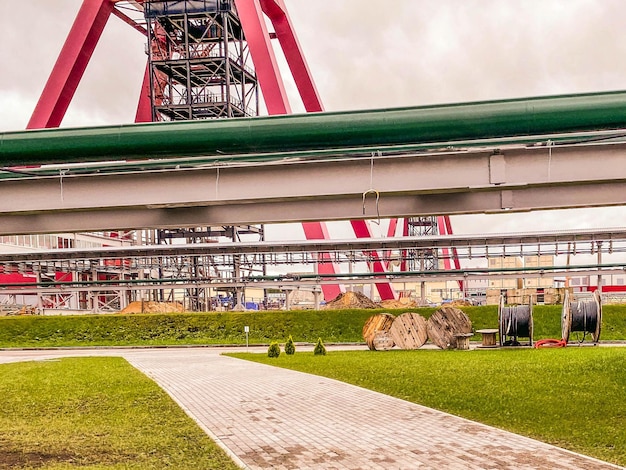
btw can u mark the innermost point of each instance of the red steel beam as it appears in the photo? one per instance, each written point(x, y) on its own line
point(445, 228)
point(441, 224)
point(285, 33)
point(259, 43)
point(276, 100)
point(144, 106)
point(71, 64)
point(391, 232)
point(277, 13)
point(362, 230)
point(455, 254)
point(325, 265)
point(129, 21)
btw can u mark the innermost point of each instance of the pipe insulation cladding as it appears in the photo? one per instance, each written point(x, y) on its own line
point(317, 131)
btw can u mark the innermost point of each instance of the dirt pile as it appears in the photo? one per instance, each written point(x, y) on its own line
point(350, 300)
point(403, 302)
point(17, 309)
point(141, 306)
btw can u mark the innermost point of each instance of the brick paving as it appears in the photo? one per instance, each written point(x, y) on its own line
point(267, 417)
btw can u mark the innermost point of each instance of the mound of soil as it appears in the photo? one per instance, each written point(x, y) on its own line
point(350, 300)
point(400, 303)
point(459, 303)
point(153, 307)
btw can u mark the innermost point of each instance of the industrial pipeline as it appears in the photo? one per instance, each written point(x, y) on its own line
point(317, 131)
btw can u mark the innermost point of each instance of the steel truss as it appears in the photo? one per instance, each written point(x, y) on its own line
point(106, 279)
point(199, 62)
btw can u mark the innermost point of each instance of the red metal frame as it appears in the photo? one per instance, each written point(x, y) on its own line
point(274, 94)
point(362, 230)
point(71, 64)
point(277, 13)
point(87, 30)
point(445, 228)
point(144, 107)
point(391, 232)
point(272, 86)
point(325, 265)
point(285, 33)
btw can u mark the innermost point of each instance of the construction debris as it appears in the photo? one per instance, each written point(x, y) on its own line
point(17, 309)
point(459, 303)
point(403, 302)
point(142, 306)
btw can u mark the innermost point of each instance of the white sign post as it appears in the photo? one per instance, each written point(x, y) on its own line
point(246, 329)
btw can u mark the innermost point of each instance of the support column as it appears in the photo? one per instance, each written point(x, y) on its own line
point(599, 263)
point(144, 106)
point(277, 13)
point(288, 300)
point(362, 230)
point(316, 297)
point(71, 64)
point(259, 43)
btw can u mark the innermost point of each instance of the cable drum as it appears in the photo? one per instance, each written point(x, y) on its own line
point(582, 316)
point(515, 322)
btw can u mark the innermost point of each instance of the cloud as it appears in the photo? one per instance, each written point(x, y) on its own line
point(363, 54)
point(32, 36)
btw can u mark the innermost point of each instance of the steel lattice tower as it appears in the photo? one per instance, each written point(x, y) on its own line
point(199, 62)
point(422, 260)
point(199, 67)
point(200, 52)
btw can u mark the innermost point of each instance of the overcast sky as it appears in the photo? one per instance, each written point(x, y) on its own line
point(363, 54)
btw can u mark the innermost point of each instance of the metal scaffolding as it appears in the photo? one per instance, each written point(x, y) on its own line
point(426, 259)
point(200, 68)
point(199, 62)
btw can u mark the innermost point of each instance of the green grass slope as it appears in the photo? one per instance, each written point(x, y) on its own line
point(228, 328)
point(97, 414)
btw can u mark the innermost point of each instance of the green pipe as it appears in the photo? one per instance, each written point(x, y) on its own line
point(317, 131)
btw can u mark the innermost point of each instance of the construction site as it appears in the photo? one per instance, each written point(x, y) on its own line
point(189, 231)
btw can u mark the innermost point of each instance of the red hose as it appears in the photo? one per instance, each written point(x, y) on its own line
point(550, 343)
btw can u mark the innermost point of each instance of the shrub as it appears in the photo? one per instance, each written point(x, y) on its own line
point(290, 348)
point(274, 349)
point(320, 349)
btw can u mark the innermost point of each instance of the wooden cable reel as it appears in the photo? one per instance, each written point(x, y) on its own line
point(376, 332)
point(409, 331)
point(515, 322)
point(445, 324)
point(582, 316)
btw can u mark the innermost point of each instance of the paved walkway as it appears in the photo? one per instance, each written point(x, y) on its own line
point(267, 417)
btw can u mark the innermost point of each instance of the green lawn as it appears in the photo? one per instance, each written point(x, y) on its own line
point(574, 397)
point(96, 413)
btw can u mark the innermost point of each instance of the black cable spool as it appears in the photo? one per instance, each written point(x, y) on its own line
point(515, 322)
point(583, 316)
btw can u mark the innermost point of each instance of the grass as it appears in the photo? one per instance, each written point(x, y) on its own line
point(572, 397)
point(96, 413)
point(181, 329)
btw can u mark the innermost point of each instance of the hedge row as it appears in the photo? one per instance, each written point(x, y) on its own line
point(334, 326)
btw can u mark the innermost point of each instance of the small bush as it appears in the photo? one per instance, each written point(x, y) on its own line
point(320, 349)
point(274, 349)
point(290, 348)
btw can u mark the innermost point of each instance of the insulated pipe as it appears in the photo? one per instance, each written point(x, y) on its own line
point(423, 124)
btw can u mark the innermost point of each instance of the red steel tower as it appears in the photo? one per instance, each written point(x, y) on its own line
point(206, 59)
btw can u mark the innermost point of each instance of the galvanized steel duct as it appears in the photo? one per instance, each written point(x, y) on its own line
point(415, 125)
